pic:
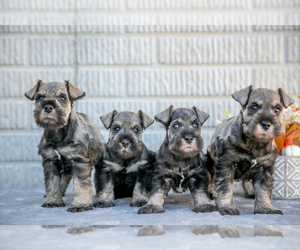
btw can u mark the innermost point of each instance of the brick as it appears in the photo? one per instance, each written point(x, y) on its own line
point(182, 23)
point(220, 49)
point(19, 147)
point(187, 82)
point(146, 23)
point(14, 82)
point(30, 18)
point(51, 50)
point(104, 82)
point(54, 5)
point(13, 114)
point(20, 175)
point(115, 50)
point(276, 28)
point(12, 50)
point(276, 3)
point(100, 5)
point(286, 78)
point(95, 23)
point(40, 29)
point(88, 25)
point(185, 5)
point(293, 48)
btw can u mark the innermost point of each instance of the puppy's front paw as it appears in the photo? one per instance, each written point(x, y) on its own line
point(138, 203)
point(267, 210)
point(77, 209)
point(228, 211)
point(104, 204)
point(206, 208)
point(150, 209)
point(53, 204)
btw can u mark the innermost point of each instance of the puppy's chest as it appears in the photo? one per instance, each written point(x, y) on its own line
point(244, 169)
point(123, 168)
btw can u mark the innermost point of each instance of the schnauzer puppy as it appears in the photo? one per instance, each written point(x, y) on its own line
point(180, 162)
point(126, 168)
point(243, 148)
point(70, 146)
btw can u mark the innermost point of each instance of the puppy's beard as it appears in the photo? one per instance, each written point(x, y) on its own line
point(120, 152)
point(55, 120)
point(261, 135)
point(184, 149)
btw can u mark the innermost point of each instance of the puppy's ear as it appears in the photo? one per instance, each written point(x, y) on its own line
point(284, 98)
point(74, 92)
point(31, 93)
point(202, 116)
point(108, 119)
point(164, 116)
point(146, 119)
point(242, 96)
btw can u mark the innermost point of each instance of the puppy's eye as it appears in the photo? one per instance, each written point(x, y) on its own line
point(136, 130)
point(195, 125)
point(117, 129)
point(40, 98)
point(254, 107)
point(277, 109)
point(62, 98)
point(175, 126)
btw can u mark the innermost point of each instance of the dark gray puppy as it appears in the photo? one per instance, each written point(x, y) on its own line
point(126, 168)
point(70, 146)
point(243, 148)
point(180, 162)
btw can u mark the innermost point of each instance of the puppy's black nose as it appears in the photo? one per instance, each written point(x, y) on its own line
point(265, 124)
point(188, 138)
point(48, 108)
point(125, 143)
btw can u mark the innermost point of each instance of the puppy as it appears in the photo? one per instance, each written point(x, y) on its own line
point(127, 166)
point(70, 146)
point(180, 162)
point(243, 148)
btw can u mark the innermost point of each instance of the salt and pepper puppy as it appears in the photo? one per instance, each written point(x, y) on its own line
point(180, 162)
point(243, 148)
point(70, 146)
point(126, 168)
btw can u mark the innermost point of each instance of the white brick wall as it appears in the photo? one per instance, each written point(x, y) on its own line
point(138, 54)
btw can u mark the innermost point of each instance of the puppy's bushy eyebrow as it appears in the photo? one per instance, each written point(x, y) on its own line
point(179, 120)
point(61, 92)
point(194, 118)
point(41, 93)
point(114, 124)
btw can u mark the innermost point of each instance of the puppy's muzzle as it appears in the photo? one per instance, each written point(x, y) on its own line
point(265, 124)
